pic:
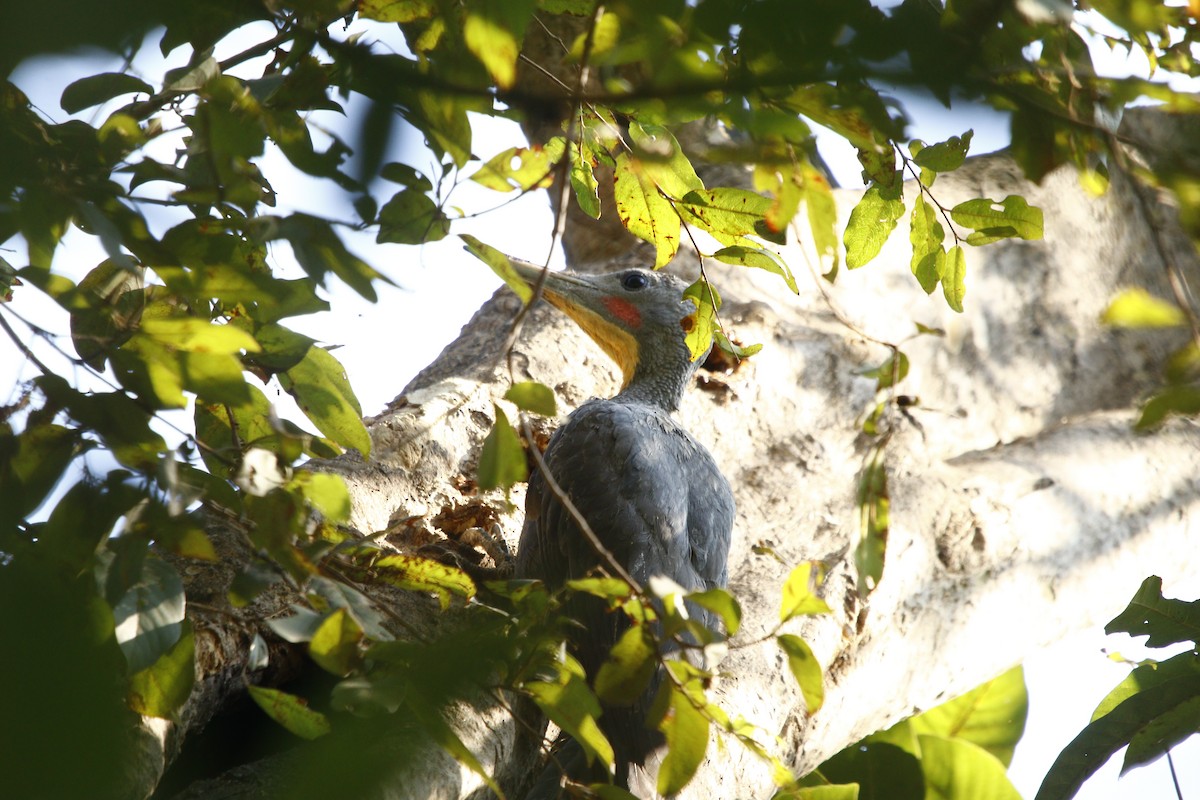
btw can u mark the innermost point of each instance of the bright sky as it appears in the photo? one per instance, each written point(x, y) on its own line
point(383, 345)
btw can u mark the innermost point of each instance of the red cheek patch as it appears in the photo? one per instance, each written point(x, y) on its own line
point(624, 310)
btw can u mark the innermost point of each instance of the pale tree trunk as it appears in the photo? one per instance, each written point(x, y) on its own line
point(1023, 505)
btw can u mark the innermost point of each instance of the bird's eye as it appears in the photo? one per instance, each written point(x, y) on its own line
point(634, 281)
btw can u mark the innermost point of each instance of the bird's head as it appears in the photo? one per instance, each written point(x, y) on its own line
point(638, 316)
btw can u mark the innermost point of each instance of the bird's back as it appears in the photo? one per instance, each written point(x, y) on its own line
point(656, 500)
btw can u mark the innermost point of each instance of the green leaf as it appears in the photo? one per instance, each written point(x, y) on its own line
point(700, 325)
point(643, 211)
point(425, 575)
point(889, 373)
point(606, 588)
point(991, 716)
point(198, 335)
point(1146, 675)
point(532, 396)
point(953, 277)
point(996, 220)
point(291, 712)
point(493, 32)
point(398, 10)
point(663, 161)
point(736, 350)
point(883, 771)
point(149, 616)
point(96, 89)
point(161, 689)
point(411, 217)
point(327, 493)
point(334, 645)
point(729, 214)
point(319, 385)
point(1137, 308)
point(500, 264)
point(721, 603)
point(1097, 742)
point(569, 703)
point(502, 459)
point(1183, 400)
point(945, 156)
point(584, 183)
point(327, 594)
point(319, 251)
point(1162, 733)
point(956, 768)
point(686, 729)
point(1162, 621)
point(871, 223)
point(822, 218)
point(523, 168)
point(926, 235)
point(627, 671)
point(805, 669)
point(760, 258)
point(32, 463)
point(798, 598)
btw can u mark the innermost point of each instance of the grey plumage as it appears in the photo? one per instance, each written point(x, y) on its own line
point(653, 495)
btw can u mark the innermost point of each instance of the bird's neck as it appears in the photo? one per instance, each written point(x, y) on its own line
point(660, 378)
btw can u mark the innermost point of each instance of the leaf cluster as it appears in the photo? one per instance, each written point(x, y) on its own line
point(1149, 712)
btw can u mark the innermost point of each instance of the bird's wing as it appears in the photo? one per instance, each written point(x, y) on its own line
point(651, 493)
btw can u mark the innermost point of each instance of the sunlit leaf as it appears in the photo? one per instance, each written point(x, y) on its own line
point(991, 716)
point(569, 703)
point(760, 258)
point(493, 31)
point(805, 669)
point(532, 396)
point(956, 768)
point(502, 459)
point(334, 645)
point(321, 389)
point(798, 597)
point(521, 168)
point(425, 575)
point(291, 712)
point(411, 217)
point(397, 10)
point(700, 325)
point(643, 210)
point(945, 156)
point(926, 235)
point(327, 493)
point(721, 603)
point(500, 264)
point(954, 273)
point(191, 333)
point(627, 671)
point(1137, 308)
point(686, 730)
point(161, 689)
point(996, 220)
point(871, 223)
